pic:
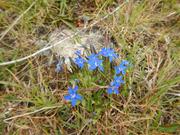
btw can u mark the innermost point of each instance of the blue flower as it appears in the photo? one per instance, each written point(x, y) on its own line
point(94, 62)
point(125, 62)
point(73, 96)
point(113, 90)
point(80, 62)
point(115, 84)
point(118, 80)
point(120, 69)
point(108, 52)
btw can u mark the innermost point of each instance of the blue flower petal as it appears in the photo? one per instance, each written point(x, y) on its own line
point(67, 97)
point(73, 96)
point(76, 88)
point(71, 91)
point(73, 102)
point(116, 91)
point(124, 72)
point(108, 52)
point(109, 90)
point(78, 97)
point(120, 69)
point(125, 62)
point(79, 61)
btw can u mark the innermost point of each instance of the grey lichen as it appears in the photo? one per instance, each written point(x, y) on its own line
point(64, 51)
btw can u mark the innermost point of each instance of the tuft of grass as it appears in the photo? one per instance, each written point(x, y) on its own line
point(31, 94)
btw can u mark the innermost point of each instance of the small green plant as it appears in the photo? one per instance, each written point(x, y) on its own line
point(95, 62)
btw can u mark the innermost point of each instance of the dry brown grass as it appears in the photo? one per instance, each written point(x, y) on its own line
point(31, 94)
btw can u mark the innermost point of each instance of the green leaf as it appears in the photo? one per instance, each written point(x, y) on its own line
point(169, 129)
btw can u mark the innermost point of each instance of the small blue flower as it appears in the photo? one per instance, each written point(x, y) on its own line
point(58, 67)
point(120, 69)
point(108, 52)
point(115, 84)
point(125, 62)
point(94, 62)
point(73, 96)
point(113, 90)
point(118, 80)
point(80, 62)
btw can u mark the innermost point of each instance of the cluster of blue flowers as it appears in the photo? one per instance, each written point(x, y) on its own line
point(118, 79)
point(94, 62)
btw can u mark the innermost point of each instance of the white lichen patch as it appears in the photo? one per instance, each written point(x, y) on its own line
point(83, 42)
